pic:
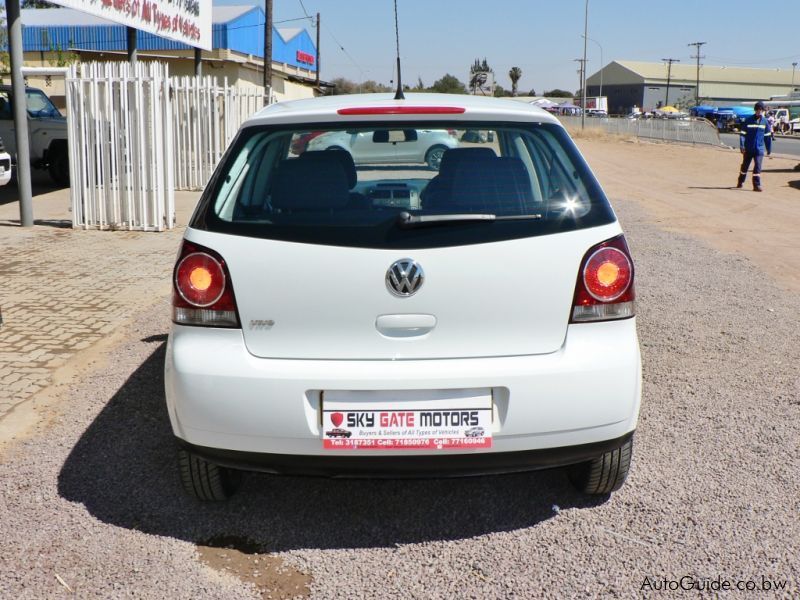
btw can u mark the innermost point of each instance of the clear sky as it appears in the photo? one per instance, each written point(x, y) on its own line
point(541, 37)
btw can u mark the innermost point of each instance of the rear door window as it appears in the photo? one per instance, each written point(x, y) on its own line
point(402, 186)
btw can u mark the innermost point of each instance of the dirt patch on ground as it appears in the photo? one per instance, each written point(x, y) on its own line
point(245, 559)
point(691, 189)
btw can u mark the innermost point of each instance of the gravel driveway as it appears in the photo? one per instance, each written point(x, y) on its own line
point(91, 507)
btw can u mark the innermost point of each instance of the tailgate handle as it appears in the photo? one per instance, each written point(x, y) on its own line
point(405, 325)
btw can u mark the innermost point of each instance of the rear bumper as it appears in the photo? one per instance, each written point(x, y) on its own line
point(440, 465)
point(221, 397)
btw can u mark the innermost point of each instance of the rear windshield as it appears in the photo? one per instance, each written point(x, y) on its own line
point(407, 185)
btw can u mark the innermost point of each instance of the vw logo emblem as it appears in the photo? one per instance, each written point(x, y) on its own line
point(404, 277)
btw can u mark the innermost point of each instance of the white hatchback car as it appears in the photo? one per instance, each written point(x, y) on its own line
point(338, 320)
point(384, 146)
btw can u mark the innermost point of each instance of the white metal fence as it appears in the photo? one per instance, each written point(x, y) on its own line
point(120, 164)
point(206, 116)
point(136, 135)
point(691, 131)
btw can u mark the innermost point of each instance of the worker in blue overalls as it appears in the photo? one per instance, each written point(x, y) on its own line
point(756, 137)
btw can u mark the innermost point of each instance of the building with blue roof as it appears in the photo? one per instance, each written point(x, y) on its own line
point(55, 37)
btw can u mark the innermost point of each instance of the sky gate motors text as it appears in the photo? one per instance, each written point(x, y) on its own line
point(433, 418)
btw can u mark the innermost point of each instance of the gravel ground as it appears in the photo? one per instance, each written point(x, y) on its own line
point(92, 501)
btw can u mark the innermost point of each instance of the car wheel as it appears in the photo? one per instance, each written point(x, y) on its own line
point(205, 480)
point(604, 474)
point(59, 167)
point(336, 149)
point(434, 157)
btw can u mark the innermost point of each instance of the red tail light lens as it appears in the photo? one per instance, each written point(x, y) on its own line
point(604, 289)
point(202, 289)
point(607, 274)
point(200, 279)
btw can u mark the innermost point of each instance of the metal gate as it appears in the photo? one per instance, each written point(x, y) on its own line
point(136, 135)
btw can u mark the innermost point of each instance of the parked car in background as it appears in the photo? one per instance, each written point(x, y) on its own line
point(300, 141)
point(474, 319)
point(386, 147)
point(47, 131)
point(5, 165)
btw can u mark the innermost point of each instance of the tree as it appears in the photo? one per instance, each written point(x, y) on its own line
point(448, 84)
point(5, 61)
point(478, 75)
point(532, 92)
point(500, 92)
point(514, 75)
point(557, 93)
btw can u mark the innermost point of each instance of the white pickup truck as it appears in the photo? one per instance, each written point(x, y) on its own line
point(47, 130)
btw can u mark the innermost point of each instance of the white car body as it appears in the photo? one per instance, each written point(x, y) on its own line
point(364, 150)
point(492, 319)
point(5, 168)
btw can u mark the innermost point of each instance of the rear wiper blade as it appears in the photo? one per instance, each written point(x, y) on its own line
point(406, 219)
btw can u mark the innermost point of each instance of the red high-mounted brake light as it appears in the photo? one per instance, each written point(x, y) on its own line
point(604, 289)
point(402, 110)
point(202, 292)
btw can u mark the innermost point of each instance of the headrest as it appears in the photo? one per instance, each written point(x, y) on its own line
point(500, 186)
point(340, 157)
point(309, 184)
point(453, 156)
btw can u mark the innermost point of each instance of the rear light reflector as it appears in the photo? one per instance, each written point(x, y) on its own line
point(402, 110)
point(604, 290)
point(202, 289)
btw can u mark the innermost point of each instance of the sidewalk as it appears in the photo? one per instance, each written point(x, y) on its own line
point(64, 290)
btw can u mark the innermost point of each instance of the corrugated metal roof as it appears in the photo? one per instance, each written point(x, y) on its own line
point(49, 17)
point(709, 73)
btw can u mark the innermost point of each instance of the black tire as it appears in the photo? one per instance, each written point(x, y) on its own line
point(205, 480)
point(433, 157)
point(604, 474)
point(59, 166)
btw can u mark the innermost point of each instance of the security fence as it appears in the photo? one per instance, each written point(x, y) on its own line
point(136, 135)
point(690, 131)
point(205, 118)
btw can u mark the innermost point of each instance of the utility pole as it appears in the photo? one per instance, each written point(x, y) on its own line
point(794, 66)
point(20, 114)
point(198, 62)
point(132, 47)
point(581, 78)
point(267, 51)
point(583, 65)
point(697, 46)
point(669, 62)
point(316, 79)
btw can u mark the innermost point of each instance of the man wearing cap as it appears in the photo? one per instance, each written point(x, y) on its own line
point(756, 137)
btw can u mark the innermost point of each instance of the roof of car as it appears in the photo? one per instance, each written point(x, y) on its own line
point(325, 109)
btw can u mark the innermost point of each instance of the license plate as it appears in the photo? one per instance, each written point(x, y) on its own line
point(407, 420)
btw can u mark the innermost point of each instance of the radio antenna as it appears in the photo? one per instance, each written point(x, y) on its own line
point(399, 94)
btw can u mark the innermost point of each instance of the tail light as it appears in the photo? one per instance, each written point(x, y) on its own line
point(202, 292)
point(604, 290)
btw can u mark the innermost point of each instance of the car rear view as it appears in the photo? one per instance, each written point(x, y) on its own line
point(392, 300)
